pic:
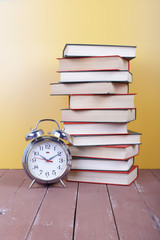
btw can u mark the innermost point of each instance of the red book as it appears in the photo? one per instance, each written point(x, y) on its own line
point(93, 63)
point(104, 177)
point(115, 152)
point(87, 128)
point(101, 101)
point(99, 115)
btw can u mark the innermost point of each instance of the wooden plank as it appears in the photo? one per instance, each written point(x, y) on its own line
point(156, 172)
point(9, 183)
point(20, 211)
point(94, 219)
point(131, 213)
point(3, 171)
point(55, 219)
point(148, 186)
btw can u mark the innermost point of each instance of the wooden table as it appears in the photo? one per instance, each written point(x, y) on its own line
point(81, 211)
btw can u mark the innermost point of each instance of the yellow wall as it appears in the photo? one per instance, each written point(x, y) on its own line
point(32, 36)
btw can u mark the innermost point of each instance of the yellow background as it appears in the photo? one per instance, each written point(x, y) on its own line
point(33, 35)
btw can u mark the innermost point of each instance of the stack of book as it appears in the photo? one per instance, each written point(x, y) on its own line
point(97, 78)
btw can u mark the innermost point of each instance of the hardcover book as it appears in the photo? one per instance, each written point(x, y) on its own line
point(74, 50)
point(99, 115)
point(89, 88)
point(109, 139)
point(94, 128)
point(101, 101)
point(102, 164)
point(95, 76)
point(104, 177)
point(114, 152)
point(93, 63)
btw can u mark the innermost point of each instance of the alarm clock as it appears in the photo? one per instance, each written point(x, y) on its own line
point(47, 158)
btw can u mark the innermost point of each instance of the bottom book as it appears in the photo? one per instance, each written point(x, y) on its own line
point(104, 177)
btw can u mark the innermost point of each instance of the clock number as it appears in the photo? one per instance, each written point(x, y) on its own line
point(53, 172)
point(47, 174)
point(33, 160)
point(35, 167)
point(55, 148)
point(59, 167)
point(40, 172)
point(41, 148)
point(61, 160)
point(47, 146)
point(59, 153)
point(35, 153)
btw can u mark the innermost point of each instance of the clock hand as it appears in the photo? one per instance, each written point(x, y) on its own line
point(49, 158)
point(53, 157)
point(44, 159)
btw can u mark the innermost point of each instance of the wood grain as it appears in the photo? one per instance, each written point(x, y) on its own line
point(20, 212)
point(55, 219)
point(79, 211)
point(156, 172)
point(131, 213)
point(3, 171)
point(149, 188)
point(9, 183)
point(94, 218)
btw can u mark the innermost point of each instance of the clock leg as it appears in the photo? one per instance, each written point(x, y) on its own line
point(32, 183)
point(62, 183)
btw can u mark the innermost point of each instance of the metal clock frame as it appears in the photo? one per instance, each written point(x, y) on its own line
point(62, 145)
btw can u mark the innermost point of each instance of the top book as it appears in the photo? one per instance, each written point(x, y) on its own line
point(89, 50)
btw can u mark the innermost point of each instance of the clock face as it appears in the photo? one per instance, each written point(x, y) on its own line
point(47, 160)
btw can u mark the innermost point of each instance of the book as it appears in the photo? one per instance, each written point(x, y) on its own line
point(106, 139)
point(95, 76)
point(99, 115)
point(114, 152)
point(102, 164)
point(89, 88)
point(101, 101)
point(94, 128)
point(74, 50)
point(104, 177)
point(93, 63)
